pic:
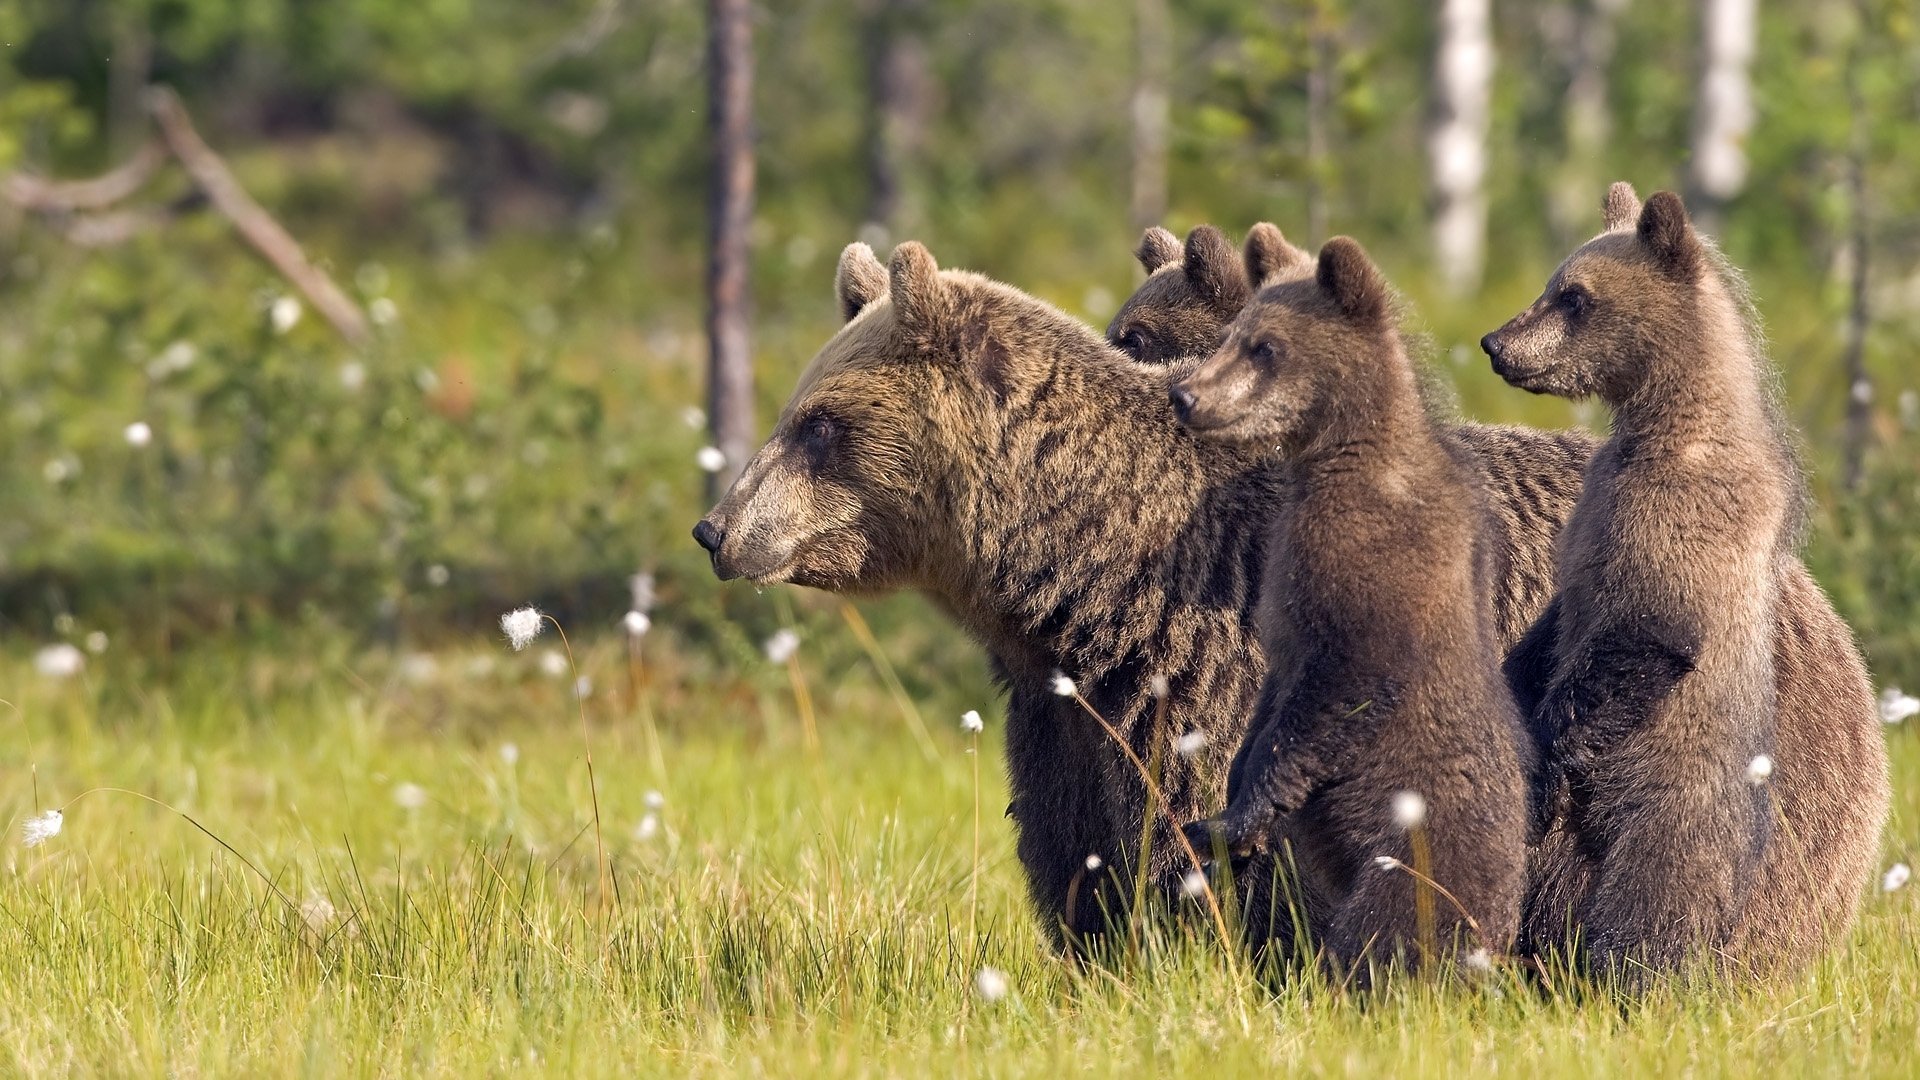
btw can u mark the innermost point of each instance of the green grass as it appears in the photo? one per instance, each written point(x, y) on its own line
point(797, 912)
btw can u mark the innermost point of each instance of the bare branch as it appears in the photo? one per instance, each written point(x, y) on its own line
point(252, 221)
point(46, 196)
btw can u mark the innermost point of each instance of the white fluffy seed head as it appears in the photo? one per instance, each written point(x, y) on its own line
point(990, 984)
point(41, 828)
point(552, 664)
point(637, 624)
point(1093, 862)
point(971, 723)
point(1479, 960)
point(1190, 744)
point(1063, 685)
point(1759, 770)
point(647, 828)
point(60, 660)
point(711, 459)
point(1896, 875)
point(1897, 705)
point(510, 753)
point(1386, 862)
point(97, 642)
point(782, 645)
point(1158, 687)
point(522, 625)
point(1409, 809)
point(284, 314)
point(1194, 884)
point(438, 575)
point(409, 796)
point(139, 433)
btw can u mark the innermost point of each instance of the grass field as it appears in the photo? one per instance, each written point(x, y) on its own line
point(413, 888)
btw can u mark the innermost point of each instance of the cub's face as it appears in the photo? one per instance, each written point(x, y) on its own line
point(1286, 353)
point(1192, 291)
point(1618, 300)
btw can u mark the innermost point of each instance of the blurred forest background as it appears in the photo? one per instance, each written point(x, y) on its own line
point(506, 397)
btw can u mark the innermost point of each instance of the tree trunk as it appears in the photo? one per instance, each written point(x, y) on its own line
point(1319, 120)
point(1859, 383)
point(1723, 107)
point(1586, 117)
point(1457, 141)
point(730, 215)
point(897, 82)
point(1152, 52)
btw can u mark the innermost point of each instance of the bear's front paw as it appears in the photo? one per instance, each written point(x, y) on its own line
point(1238, 835)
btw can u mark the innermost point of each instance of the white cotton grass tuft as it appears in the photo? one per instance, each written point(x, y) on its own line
point(636, 624)
point(1479, 961)
point(97, 642)
point(552, 664)
point(510, 754)
point(647, 827)
point(1759, 770)
point(694, 417)
point(1157, 686)
point(990, 984)
point(654, 800)
point(782, 646)
point(521, 626)
point(409, 796)
point(284, 314)
point(1193, 884)
point(138, 434)
point(583, 687)
point(383, 311)
point(1409, 809)
point(711, 459)
point(1094, 863)
point(1386, 862)
point(1897, 705)
point(353, 376)
point(60, 660)
point(1063, 686)
point(1896, 876)
point(438, 575)
point(1190, 744)
point(41, 828)
point(971, 723)
point(318, 913)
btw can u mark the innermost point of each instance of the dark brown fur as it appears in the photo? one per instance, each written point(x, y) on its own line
point(962, 439)
point(1378, 626)
point(1181, 308)
point(1686, 637)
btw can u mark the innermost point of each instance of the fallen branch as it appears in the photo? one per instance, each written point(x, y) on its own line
point(45, 196)
point(254, 224)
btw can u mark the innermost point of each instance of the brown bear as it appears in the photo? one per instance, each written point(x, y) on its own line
point(1716, 780)
point(960, 438)
point(1531, 477)
point(1384, 682)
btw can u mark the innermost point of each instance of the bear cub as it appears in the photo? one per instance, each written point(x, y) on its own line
point(1386, 741)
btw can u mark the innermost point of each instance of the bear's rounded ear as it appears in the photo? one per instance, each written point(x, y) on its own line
point(1621, 207)
point(1213, 268)
point(914, 283)
point(1158, 247)
point(1669, 236)
point(1350, 278)
point(859, 281)
point(1270, 259)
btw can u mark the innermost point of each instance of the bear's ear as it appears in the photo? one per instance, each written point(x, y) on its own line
point(1214, 269)
point(860, 280)
point(1621, 207)
point(1353, 282)
point(1270, 259)
point(1158, 247)
point(914, 282)
point(1669, 236)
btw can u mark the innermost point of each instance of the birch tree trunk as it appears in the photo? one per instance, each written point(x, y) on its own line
point(730, 215)
point(1859, 317)
point(1320, 72)
point(1152, 51)
point(900, 95)
point(1587, 118)
point(1723, 107)
point(1457, 141)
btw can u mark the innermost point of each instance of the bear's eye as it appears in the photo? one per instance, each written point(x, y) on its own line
point(818, 434)
point(1133, 343)
point(1574, 300)
point(1266, 353)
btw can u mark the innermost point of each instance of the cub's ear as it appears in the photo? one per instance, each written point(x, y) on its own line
point(1669, 236)
point(914, 282)
point(1158, 247)
point(1621, 206)
point(1214, 269)
point(860, 280)
point(1353, 282)
point(1269, 259)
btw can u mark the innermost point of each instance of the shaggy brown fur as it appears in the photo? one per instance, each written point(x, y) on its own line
point(1686, 637)
point(962, 439)
point(1531, 477)
point(1378, 627)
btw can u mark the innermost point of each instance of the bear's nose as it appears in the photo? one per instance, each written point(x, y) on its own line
point(1491, 345)
point(707, 536)
point(1182, 399)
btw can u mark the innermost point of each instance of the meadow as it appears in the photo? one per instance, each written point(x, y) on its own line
point(372, 862)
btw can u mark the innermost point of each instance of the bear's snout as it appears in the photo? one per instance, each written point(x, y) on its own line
point(1182, 400)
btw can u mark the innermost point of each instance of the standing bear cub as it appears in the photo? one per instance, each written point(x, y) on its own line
point(1385, 740)
point(1714, 783)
